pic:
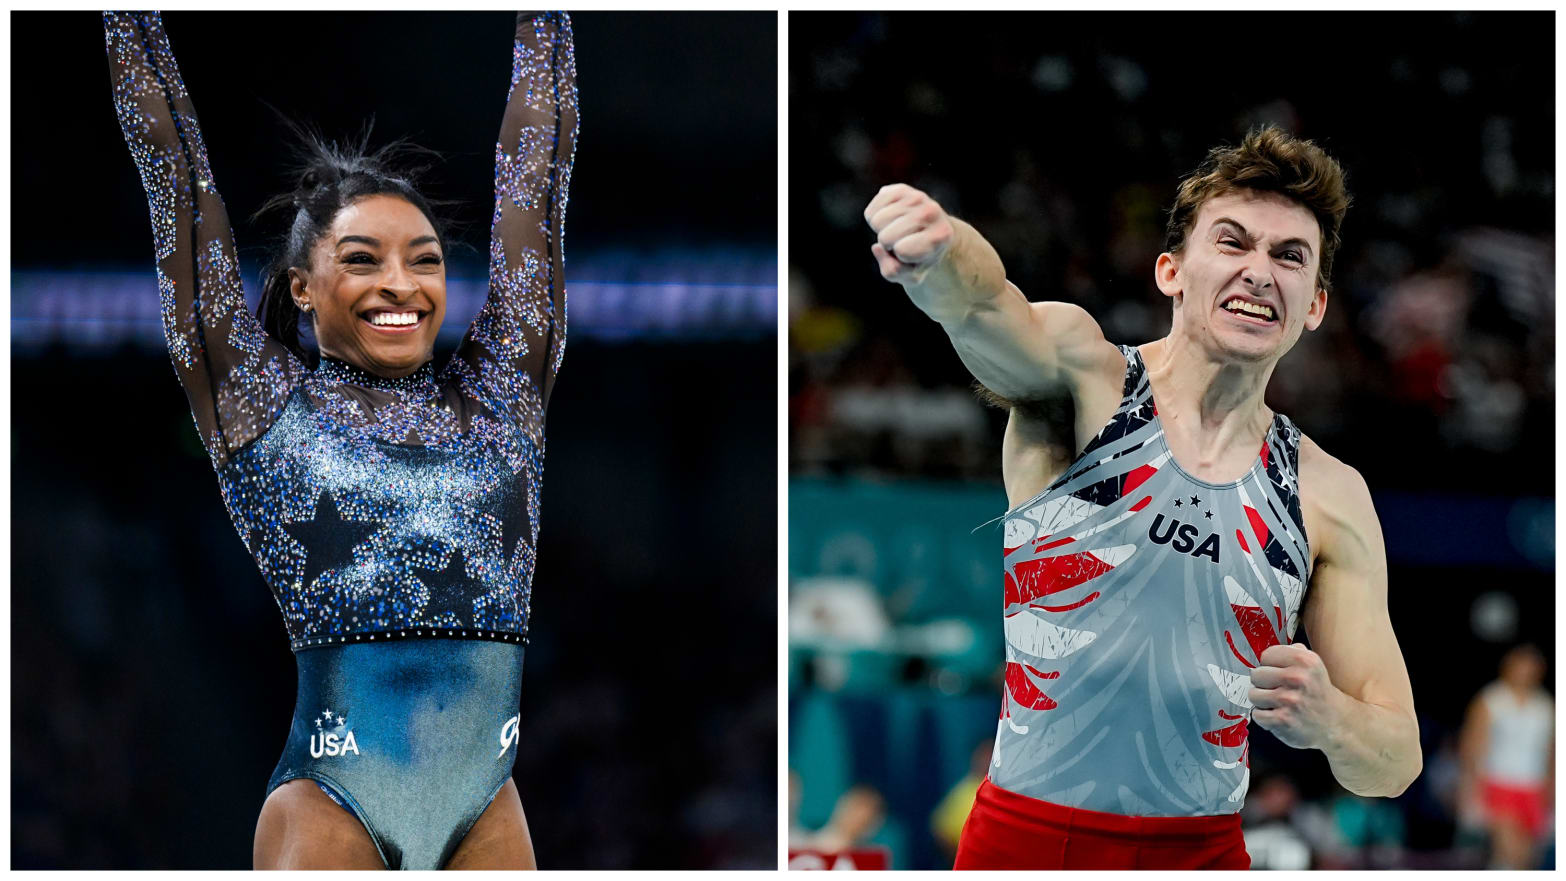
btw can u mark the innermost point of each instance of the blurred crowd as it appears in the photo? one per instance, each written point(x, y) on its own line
point(1062, 142)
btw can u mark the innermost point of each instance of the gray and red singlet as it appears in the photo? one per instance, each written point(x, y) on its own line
point(1138, 598)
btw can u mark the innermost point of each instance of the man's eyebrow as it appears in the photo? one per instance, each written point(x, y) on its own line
point(1244, 233)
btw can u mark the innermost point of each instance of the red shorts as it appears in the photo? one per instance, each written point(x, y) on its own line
point(1525, 804)
point(1010, 831)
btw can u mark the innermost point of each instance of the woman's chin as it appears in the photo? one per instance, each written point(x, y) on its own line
point(392, 362)
point(399, 367)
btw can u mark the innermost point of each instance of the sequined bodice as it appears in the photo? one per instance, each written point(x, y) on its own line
point(375, 508)
point(361, 537)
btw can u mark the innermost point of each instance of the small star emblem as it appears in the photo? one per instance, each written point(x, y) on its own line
point(1209, 515)
point(1177, 503)
point(318, 723)
point(328, 715)
point(1195, 500)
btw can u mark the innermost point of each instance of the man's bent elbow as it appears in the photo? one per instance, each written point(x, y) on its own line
point(1408, 762)
point(1412, 774)
point(1401, 776)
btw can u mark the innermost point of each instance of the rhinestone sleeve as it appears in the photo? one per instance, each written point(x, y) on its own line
point(235, 376)
point(511, 353)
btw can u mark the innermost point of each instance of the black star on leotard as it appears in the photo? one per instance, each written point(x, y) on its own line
point(1195, 500)
point(516, 526)
point(328, 538)
point(1177, 503)
point(447, 583)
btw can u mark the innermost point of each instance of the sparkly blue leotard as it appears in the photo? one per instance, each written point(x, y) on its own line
point(394, 520)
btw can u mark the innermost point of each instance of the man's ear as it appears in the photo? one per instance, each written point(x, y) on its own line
point(1166, 272)
point(1317, 311)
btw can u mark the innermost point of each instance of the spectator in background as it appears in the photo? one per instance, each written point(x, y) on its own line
point(860, 832)
point(1508, 754)
point(797, 833)
point(1372, 831)
point(858, 816)
point(1271, 835)
point(841, 612)
point(947, 820)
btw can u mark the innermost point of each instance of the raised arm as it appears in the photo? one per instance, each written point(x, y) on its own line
point(516, 343)
point(1020, 350)
point(235, 376)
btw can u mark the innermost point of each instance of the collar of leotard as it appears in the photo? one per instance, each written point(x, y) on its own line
point(333, 371)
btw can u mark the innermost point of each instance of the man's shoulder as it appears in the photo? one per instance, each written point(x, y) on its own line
point(1325, 475)
point(1336, 500)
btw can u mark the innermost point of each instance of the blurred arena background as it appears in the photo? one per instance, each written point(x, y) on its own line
point(151, 681)
point(1061, 138)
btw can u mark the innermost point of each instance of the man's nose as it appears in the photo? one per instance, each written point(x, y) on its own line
point(1258, 276)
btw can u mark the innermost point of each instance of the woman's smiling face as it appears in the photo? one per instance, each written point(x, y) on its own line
point(375, 287)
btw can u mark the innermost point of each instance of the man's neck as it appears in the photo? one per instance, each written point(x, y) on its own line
point(1210, 402)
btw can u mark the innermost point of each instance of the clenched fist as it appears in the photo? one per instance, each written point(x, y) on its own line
point(1293, 696)
point(912, 232)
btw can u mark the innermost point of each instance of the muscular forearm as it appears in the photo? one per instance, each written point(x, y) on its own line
point(969, 274)
point(951, 273)
point(1373, 750)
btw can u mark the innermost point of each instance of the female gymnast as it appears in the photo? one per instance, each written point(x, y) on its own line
point(392, 507)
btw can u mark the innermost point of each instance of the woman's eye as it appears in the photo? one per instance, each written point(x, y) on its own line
point(433, 259)
point(359, 257)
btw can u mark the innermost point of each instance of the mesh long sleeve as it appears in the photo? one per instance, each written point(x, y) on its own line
point(515, 345)
point(236, 377)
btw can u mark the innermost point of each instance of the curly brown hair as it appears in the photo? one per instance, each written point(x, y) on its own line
point(1268, 160)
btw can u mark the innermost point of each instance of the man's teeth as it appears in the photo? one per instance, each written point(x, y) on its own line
point(395, 318)
point(1252, 308)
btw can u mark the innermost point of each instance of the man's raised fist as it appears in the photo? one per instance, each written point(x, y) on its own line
point(912, 232)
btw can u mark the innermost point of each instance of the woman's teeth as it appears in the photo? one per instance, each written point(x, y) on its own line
point(395, 318)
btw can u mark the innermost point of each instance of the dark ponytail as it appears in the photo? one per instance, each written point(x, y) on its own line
point(329, 177)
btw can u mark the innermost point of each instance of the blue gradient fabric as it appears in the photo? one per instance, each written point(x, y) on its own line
point(415, 737)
